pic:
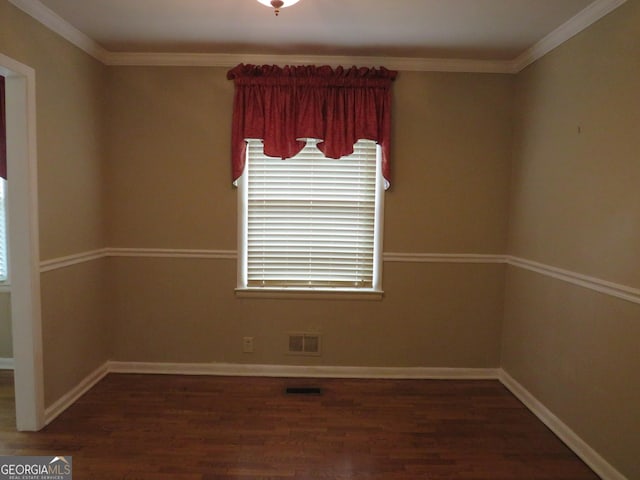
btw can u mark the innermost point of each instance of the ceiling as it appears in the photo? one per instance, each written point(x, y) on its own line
point(438, 29)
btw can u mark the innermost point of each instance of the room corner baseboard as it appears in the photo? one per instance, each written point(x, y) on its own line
point(68, 399)
point(296, 371)
point(6, 363)
point(598, 464)
point(241, 370)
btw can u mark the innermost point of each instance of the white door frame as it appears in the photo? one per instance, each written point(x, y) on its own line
point(23, 242)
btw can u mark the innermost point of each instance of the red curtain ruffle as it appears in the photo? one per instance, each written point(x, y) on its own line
point(3, 132)
point(281, 105)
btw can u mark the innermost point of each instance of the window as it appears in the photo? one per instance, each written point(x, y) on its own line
point(310, 222)
point(3, 184)
point(3, 231)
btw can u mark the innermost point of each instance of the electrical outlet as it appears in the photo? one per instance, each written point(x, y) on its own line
point(247, 344)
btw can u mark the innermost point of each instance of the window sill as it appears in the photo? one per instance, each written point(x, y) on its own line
point(310, 293)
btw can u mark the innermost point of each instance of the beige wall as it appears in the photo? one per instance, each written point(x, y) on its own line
point(76, 329)
point(69, 91)
point(451, 154)
point(69, 96)
point(184, 310)
point(169, 172)
point(169, 186)
point(575, 205)
point(6, 344)
point(169, 177)
point(577, 352)
point(146, 166)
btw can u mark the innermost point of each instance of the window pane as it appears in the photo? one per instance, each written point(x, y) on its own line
point(311, 220)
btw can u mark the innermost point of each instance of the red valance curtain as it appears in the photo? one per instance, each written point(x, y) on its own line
point(3, 132)
point(338, 106)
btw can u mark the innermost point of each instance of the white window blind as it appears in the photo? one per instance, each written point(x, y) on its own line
point(3, 231)
point(310, 220)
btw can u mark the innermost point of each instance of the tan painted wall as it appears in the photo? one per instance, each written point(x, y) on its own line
point(169, 183)
point(451, 157)
point(575, 205)
point(577, 352)
point(70, 101)
point(70, 87)
point(575, 199)
point(169, 187)
point(6, 344)
point(184, 310)
point(76, 326)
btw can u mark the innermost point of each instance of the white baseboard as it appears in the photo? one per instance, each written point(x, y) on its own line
point(588, 455)
point(599, 465)
point(229, 369)
point(68, 399)
point(6, 364)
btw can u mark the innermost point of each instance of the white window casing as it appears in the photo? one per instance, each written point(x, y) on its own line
point(310, 223)
point(4, 268)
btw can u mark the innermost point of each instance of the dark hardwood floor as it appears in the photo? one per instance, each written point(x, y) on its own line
point(148, 427)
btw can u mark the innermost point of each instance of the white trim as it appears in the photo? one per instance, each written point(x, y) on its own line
point(575, 25)
point(598, 464)
point(59, 25)
point(296, 371)
point(231, 60)
point(6, 363)
point(78, 258)
point(61, 262)
point(242, 273)
point(23, 240)
point(443, 258)
point(171, 253)
point(69, 398)
point(617, 290)
point(378, 238)
point(602, 286)
point(309, 293)
point(564, 32)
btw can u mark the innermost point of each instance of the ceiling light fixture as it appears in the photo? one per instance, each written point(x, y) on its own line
point(278, 4)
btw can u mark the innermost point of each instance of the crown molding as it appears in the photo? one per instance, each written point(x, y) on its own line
point(575, 25)
point(564, 32)
point(404, 64)
point(59, 25)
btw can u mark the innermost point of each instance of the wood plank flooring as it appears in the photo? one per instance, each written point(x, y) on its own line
point(152, 427)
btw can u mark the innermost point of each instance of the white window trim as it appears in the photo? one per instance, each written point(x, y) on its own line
point(4, 239)
point(316, 293)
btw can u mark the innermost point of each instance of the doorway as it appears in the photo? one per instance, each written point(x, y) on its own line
point(23, 246)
